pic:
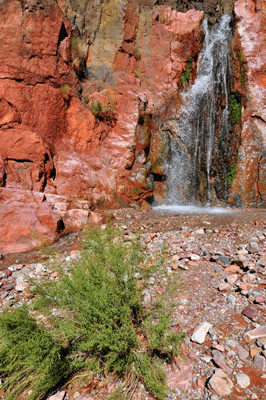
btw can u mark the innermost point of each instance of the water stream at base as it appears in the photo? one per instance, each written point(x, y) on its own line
point(192, 145)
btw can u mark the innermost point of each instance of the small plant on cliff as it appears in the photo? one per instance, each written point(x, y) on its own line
point(242, 64)
point(96, 108)
point(65, 92)
point(95, 319)
point(231, 173)
point(185, 76)
point(137, 52)
point(235, 107)
point(106, 113)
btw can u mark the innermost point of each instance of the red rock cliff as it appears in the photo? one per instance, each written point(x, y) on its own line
point(249, 186)
point(88, 95)
point(86, 136)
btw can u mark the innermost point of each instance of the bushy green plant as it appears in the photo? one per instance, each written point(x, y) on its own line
point(96, 319)
point(31, 358)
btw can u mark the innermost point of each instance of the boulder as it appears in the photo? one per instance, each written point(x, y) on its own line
point(27, 226)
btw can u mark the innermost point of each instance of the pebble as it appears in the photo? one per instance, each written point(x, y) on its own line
point(225, 260)
point(199, 231)
point(57, 396)
point(224, 286)
point(260, 362)
point(231, 279)
point(243, 380)
point(255, 333)
point(231, 299)
point(221, 384)
point(250, 312)
point(253, 247)
point(200, 332)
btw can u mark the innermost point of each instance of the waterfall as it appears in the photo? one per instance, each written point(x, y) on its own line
point(189, 173)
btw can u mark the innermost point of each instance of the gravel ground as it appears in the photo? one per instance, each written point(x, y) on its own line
point(220, 262)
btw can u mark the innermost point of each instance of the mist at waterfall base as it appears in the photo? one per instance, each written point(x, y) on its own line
point(192, 145)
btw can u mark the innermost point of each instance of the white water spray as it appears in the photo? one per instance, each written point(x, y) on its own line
point(189, 171)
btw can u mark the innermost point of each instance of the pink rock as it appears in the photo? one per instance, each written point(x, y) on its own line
point(180, 377)
point(250, 180)
point(58, 396)
point(255, 333)
point(250, 312)
point(222, 386)
point(24, 227)
point(260, 362)
point(95, 218)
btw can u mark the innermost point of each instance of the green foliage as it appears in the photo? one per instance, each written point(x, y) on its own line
point(96, 108)
point(30, 358)
point(104, 113)
point(65, 91)
point(242, 64)
point(137, 52)
point(185, 76)
point(96, 319)
point(235, 108)
point(137, 73)
point(231, 173)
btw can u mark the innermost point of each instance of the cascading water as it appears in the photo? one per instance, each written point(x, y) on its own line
point(189, 173)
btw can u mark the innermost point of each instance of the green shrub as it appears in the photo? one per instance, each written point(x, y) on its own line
point(137, 52)
point(96, 108)
point(96, 319)
point(65, 91)
point(235, 108)
point(105, 114)
point(30, 358)
point(242, 64)
point(185, 76)
point(231, 173)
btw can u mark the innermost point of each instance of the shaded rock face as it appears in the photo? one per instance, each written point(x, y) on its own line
point(249, 186)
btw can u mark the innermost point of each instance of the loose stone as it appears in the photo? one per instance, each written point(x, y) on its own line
point(200, 332)
point(225, 260)
point(250, 312)
point(58, 396)
point(255, 333)
point(221, 385)
point(243, 380)
point(260, 362)
point(231, 279)
point(253, 247)
point(224, 286)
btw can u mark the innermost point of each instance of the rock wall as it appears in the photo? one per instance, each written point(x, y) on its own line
point(249, 186)
point(89, 91)
point(83, 87)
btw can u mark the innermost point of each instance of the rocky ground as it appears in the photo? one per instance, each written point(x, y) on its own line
point(220, 261)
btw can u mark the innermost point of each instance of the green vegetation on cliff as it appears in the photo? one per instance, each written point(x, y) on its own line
point(235, 108)
point(92, 318)
point(185, 76)
point(231, 173)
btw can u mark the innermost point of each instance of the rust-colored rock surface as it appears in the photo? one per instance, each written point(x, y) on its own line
point(89, 94)
point(83, 88)
point(250, 184)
